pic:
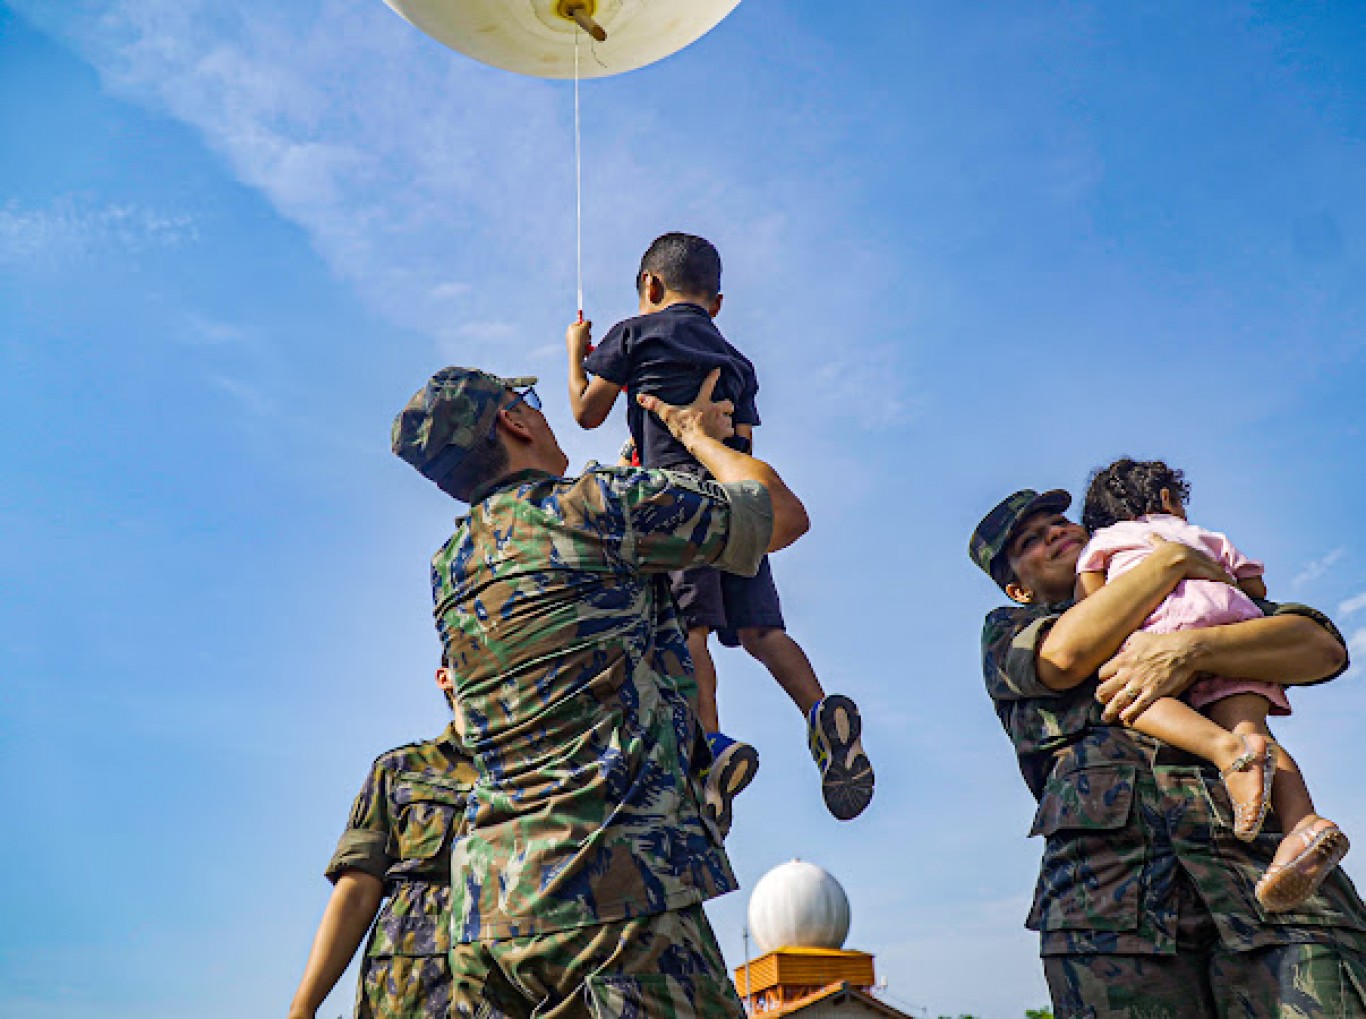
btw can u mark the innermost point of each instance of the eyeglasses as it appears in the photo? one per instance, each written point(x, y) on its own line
point(527, 396)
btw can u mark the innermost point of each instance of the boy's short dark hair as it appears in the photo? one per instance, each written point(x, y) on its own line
point(687, 265)
point(1128, 489)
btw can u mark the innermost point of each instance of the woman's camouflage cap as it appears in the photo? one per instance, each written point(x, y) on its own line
point(448, 417)
point(987, 546)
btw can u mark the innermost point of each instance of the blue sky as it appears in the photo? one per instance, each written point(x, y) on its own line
point(968, 248)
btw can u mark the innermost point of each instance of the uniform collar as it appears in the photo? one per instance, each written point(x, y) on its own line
point(506, 481)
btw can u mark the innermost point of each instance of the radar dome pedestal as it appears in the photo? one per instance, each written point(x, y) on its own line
point(799, 915)
point(798, 905)
point(536, 37)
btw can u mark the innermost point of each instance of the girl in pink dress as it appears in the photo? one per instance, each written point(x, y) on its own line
point(1131, 507)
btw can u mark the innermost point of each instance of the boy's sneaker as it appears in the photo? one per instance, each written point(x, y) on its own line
point(833, 729)
point(733, 766)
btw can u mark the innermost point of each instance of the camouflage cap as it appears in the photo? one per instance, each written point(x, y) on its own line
point(988, 543)
point(448, 416)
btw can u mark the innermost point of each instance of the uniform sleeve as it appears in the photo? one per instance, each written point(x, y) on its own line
point(610, 359)
point(675, 521)
point(1011, 639)
point(364, 844)
point(1270, 608)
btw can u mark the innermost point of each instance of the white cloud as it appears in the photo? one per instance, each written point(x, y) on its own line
point(1352, 605)
point(1316, 569)
point(442, 190)
point(73, 226)
point(1356, 650)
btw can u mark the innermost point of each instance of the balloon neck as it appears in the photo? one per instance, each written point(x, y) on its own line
point(581, 13)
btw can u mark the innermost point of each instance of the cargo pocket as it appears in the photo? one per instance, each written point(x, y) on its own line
point(1090, 878)
point(653, 996)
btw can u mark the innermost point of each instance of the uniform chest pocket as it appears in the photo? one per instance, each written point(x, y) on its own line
point(1092, 869)
point(428, 807)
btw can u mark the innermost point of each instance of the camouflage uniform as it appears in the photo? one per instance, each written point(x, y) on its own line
point(400, 832)
point(1145, 899)
point(586, 856)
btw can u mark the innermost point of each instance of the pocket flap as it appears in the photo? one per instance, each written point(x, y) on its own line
point(429, 787)
point(1086, 799)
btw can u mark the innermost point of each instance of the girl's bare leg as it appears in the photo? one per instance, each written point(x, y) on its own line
point(1177, 723)
point(1245, 715)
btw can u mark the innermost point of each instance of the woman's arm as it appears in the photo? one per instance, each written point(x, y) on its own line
point(1088, 583)
point(1289, 649)
point(1090, 632)
point(350, 911)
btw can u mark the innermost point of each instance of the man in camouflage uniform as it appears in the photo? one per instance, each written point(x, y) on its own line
point(396, 849)
point(587, 855)
point(1145, 900)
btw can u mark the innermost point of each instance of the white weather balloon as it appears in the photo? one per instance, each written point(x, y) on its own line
point(798, 905)
point(536, 37)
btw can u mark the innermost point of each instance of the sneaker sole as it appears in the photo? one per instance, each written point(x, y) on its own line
point(729, 775)
point(847, 783)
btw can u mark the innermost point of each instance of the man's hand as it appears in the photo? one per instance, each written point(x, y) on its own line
point(1148, 666)
point(577, 339)
point(702, 416)
point(1191, 563)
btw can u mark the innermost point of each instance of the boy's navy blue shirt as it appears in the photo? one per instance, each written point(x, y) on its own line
point(667, 354)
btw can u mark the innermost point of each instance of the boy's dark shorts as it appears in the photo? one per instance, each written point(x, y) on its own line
point(726, 603)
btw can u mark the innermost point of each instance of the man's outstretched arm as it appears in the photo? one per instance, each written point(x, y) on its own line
point(700, 426)
point(350, 911)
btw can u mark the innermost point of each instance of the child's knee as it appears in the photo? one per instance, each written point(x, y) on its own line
point(757, 639)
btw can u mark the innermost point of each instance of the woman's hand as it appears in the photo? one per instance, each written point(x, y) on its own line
point(1147, 667)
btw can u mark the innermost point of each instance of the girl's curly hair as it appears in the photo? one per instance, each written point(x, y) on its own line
point(1128, 489)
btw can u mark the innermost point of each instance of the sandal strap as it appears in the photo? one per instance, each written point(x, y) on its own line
point(1242, 762)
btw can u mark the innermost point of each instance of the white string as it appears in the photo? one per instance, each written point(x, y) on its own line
point(578, 178)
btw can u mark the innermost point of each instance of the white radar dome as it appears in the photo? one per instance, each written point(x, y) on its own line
point(798, 905)
point(536, 37)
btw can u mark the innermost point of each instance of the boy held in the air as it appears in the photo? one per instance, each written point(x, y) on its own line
point(666, 352)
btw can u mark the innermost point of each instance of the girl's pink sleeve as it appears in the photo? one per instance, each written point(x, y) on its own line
point(1095, 557)
point(1233, 560)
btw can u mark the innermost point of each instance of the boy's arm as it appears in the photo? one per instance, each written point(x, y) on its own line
point(1253, 587)
point(590, 400)
point(350, 911)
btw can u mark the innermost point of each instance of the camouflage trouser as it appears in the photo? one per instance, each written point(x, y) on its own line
point(666, 966)
point(404, 987)
point(1279, 982)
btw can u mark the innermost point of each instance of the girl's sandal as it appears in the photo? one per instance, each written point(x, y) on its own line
point(1286, 885)
point(1248, 817)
